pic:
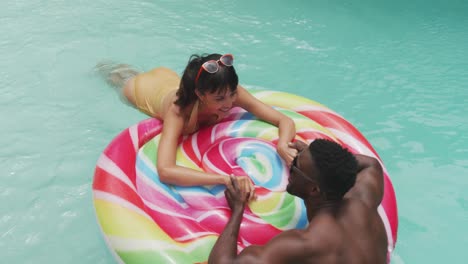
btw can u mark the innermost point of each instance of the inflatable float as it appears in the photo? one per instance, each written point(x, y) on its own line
point(146, 221)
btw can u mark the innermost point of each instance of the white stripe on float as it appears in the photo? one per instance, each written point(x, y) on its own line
point(246, 216)
point(350, 140)
point(388, 227)
point(263, 93)
point(196, 235)
point(363, 149)
point(154, 207)
point(205, 215)
point(195, 146)
point(133, 131)
point(318, 108)
point(109, 166)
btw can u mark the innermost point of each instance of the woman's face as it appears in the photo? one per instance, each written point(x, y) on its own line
point(220, 102)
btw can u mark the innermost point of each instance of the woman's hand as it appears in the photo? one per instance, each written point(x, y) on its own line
point(286, 152)
point(298, 145)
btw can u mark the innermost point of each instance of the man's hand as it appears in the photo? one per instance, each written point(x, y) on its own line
point(236, 197)
point(225, 248)
point(244, 183)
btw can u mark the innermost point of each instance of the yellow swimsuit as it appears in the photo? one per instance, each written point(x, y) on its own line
point(154, 92)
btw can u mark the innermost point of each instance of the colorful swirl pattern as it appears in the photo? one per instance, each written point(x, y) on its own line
point(146, 221)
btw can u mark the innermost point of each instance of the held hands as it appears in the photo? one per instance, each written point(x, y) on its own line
point(236, 196)
point(244, 185)
point(298, 146)
point(287, 152)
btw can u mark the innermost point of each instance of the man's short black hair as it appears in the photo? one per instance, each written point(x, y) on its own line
point(336, 165)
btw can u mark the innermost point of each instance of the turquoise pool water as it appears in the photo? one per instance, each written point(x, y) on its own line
point(397, 70)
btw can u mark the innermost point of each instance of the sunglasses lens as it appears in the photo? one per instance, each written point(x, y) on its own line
point(210, 66)
point(227, 59)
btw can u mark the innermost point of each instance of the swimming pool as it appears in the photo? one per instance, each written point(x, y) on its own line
point(396, 70)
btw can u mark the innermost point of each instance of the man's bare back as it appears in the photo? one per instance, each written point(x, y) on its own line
point(341, 197)
point(343, 236)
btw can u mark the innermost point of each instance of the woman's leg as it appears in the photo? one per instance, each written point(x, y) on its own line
point(121, 77)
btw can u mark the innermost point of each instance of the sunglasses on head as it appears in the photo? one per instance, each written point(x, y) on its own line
point(212, 66)
point(297, 170)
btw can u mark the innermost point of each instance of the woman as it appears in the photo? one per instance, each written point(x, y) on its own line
point(207, 91)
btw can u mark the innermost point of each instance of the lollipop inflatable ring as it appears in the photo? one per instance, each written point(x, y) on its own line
point(146, 221)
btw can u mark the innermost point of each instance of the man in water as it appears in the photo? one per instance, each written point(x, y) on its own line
point(341, 192)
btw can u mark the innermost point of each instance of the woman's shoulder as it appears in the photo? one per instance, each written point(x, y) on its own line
point(186, 118)
point(180, 112)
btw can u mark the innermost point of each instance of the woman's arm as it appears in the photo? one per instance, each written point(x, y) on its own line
point(171, 173)
point(168, 171)
point(286, 126)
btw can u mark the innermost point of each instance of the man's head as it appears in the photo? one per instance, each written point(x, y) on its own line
point(323, 168)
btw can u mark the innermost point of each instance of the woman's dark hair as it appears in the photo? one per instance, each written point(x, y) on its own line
point(337, 168)
point(224, 79)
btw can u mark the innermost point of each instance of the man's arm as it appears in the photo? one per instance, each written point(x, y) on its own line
point(288, 247)
point(225, 248)
point(369, 186)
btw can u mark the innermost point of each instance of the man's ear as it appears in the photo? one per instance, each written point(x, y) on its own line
point(314, 190)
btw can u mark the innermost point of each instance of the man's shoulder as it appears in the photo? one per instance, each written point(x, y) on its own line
point(354, 204)
point(323, 230)
point(329, 228)
point(353, 211)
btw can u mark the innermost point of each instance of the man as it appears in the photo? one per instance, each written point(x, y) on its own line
point(341, 192)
